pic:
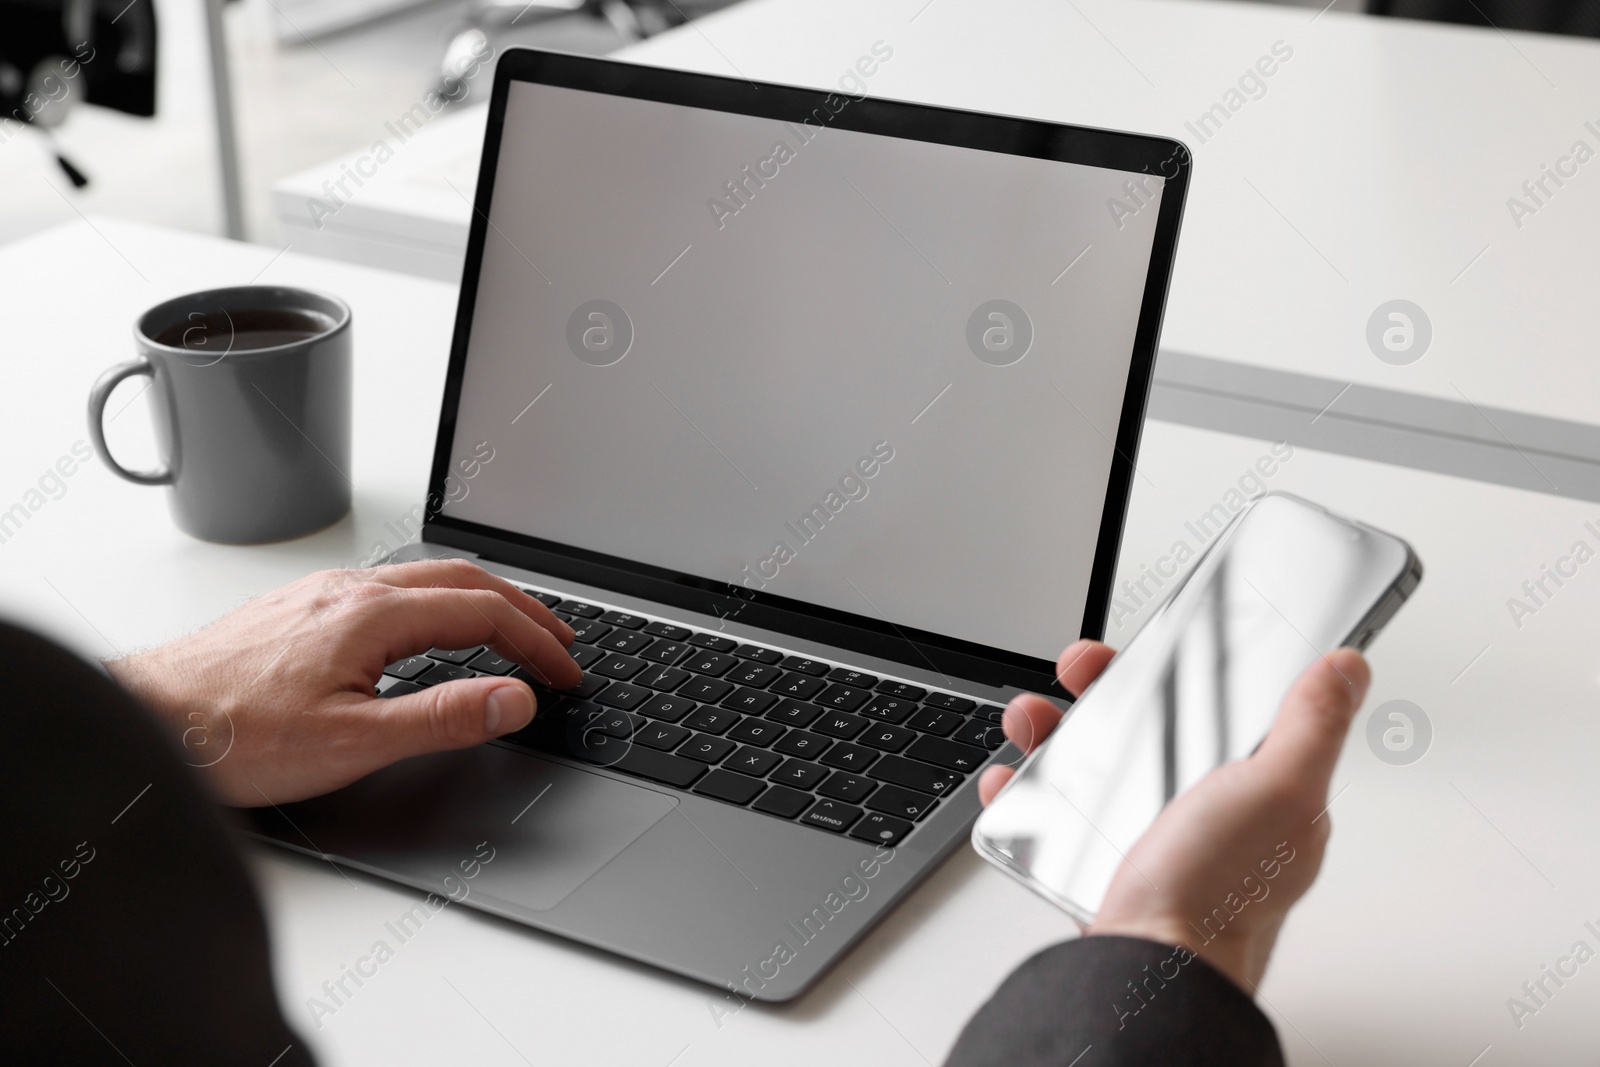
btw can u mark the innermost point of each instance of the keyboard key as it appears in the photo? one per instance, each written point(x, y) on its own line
point(749, 701)
point(880, 829)
point(991, 712)
point(934, 721)
point(709, 690)
point(800, 743)
point(622, 619)
point(586, 656)
point(400, 689)
point(979, 732)
point(783, 802)
point(442, 672)
point(889, 687)
point(843, 697)
point(794, 713)
point(665, 708)
point(805, 666)
point(588, 687)
point(619, 667)
point(593, 746)
point(588, 631)
point(705, 748)
point(799, 686)
point(842, 785)
point(769, 656)
point(905, 803)
point(849, 677)
point(625, 641)
point(950, 703)
point(889, 709)
point(754, 731)
point(458, 656)
point(665, 679)
point(714, 642)
point(538, 734)
point(711, 663)
point(614, 722)
point(659, 766)
point(409, 667)
point(665, 651)
point(711, 720)
point(848, 757)
point(957, 757)
point(798, 773)
point(623, 695)
point(734, 788)
point(888, 738)
point(755, 675)
point(913, 775)
point(661, 735)
point(840, 725)
point(490, 663)
point(755, 761)
point(832, 815)
point(577, 717)
point(549, 600)
point(580, 609)
point(667, 630)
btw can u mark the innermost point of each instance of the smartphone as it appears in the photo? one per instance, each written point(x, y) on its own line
point(1285, 582)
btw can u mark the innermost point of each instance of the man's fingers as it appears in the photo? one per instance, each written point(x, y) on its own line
point(1081, 663)
point(449, 716)
point(464, 574)
point(1028, 720)
point(991, 781)
point(415, 619)
point(1305, 740)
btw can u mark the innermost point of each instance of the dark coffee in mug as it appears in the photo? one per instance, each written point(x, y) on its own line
point(250, 391)
point(243, 329)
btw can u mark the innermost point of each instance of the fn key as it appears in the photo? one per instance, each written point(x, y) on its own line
point(880, 829)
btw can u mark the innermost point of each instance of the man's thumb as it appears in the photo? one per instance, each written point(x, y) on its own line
point(454, 715)
point(1305, 741)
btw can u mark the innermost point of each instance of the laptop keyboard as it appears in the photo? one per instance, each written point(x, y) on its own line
point(805, 740)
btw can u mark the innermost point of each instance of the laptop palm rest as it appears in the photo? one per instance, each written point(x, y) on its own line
point(526, 830)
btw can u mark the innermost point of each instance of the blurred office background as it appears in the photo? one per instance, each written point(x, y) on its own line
point(315, 80)
point(311, 81)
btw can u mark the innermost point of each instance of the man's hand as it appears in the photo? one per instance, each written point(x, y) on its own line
point(274, 701)
point(1203, 845)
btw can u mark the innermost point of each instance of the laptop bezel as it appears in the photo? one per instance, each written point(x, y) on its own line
point(962, 659)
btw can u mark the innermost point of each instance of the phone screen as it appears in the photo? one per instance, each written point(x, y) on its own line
point(1198, 686)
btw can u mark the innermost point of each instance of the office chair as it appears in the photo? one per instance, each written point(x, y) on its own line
point(56, 55)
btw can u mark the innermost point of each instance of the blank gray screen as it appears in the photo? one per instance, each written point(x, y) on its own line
point(874, 374)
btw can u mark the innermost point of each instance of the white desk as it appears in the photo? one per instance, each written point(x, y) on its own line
point(1375, 165)
point(1433, 908)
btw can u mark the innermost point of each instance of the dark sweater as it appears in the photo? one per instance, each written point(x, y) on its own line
point(130, 932)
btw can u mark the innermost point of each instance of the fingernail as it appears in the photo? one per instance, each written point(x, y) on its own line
point(508, 708)
point(1013, 720)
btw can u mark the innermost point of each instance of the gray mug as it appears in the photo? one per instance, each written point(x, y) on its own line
point(251, 398)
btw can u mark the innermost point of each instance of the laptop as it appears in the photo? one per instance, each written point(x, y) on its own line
point(815, 415)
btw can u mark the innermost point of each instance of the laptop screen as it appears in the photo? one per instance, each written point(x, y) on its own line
point(874, 374)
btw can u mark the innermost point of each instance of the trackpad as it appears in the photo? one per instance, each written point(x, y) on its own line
point(543, 828)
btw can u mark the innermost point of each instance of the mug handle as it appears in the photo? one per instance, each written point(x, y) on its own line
point(97, 414)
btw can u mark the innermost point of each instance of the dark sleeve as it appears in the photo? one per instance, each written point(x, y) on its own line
point(1134, 1002)
point(129, 930)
